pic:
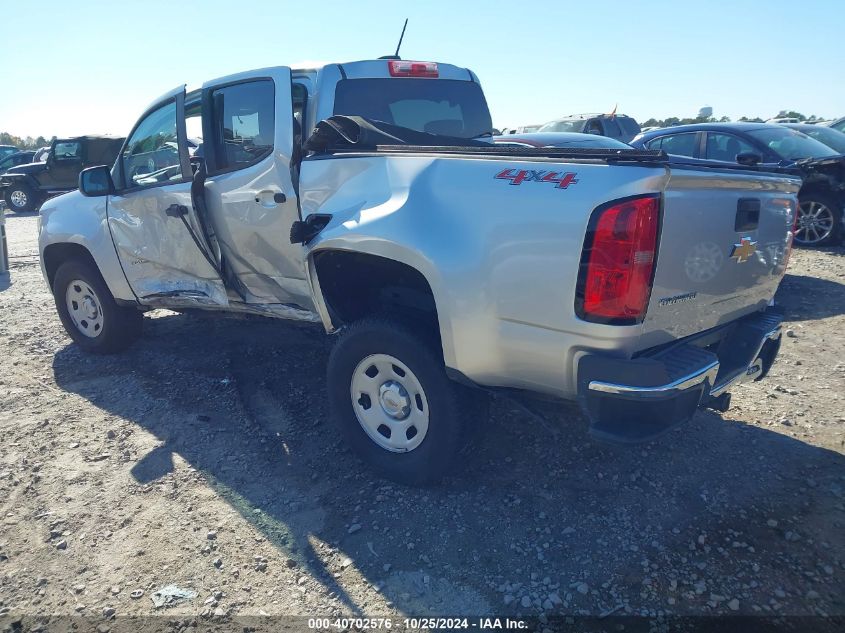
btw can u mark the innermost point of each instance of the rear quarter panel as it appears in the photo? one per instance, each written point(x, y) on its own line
point(502, 260)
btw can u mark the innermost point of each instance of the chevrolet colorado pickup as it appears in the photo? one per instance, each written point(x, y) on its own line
point(443, 264)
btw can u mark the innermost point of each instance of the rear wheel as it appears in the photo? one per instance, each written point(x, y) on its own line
point(819, 221)
point(89, 312)
point(395, 406)
point(21, 198)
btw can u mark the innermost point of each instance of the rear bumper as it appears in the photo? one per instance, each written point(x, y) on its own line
point(633, 400)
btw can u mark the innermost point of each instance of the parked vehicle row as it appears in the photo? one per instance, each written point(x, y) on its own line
point(7, 150)
point(821, 166)
point(627, 280)
point(618, 126)
point(26, 186)
point(13, 160)
point(838, 125)
point(560, 139)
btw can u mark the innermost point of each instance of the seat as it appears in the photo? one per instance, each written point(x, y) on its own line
point(732, 149)
point(787, 148)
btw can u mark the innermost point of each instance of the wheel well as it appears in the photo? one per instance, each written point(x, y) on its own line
point(819, 189)
point(355, 285)
point(27, 181)
point(56, 254)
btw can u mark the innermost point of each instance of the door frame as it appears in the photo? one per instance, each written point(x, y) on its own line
point(189, 223)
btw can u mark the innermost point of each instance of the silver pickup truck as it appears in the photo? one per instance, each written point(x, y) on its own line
point(444, 265)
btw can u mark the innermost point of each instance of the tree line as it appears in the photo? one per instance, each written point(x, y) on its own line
point(34, 143)
point(24, 143)
point(783, 114)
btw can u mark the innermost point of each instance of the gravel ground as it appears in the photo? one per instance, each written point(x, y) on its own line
point(204, 458)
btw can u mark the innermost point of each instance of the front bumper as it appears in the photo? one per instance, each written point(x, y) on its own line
point(635, 400)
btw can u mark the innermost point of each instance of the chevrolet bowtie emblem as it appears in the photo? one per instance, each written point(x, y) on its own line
point(744, 250)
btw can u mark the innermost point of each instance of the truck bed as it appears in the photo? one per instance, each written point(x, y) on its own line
point(507, 236)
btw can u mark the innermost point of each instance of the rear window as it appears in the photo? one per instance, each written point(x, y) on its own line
point(436, 106)
point(629, 125)
point(611, 127)
point(677, 144)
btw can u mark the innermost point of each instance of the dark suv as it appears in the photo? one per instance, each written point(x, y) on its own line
point(26, 187)
point(619, 126)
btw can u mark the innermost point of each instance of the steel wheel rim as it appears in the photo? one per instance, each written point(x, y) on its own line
point(84, 308)
point(815, 222)
point(18, 198)
point(389, 403)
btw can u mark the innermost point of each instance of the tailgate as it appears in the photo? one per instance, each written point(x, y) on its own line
point(724, 243)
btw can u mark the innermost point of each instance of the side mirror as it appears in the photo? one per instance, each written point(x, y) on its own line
point(749, 159)
point(96, 181)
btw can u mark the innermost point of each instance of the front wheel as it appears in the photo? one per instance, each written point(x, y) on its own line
point(20, 198)
point(88, 310)
point(397, 409)
point(819, 221)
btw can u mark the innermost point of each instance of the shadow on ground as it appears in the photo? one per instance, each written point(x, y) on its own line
point(538, 509)
point(805, 298)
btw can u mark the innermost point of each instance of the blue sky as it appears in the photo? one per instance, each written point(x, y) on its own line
point(97, 63)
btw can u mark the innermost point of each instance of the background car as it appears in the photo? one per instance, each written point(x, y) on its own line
point(822, 195)
point(838, 124)
point(619, 126)
point(13, 160)
point(560, 139)
point(41, 154)
point(522, 129)
point(26, 187)
point(6, 150)
point(834, 139)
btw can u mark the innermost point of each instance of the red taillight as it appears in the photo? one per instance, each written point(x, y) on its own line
point(618, 261)
point(402, 68)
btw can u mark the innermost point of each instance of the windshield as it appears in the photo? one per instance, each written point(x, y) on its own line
point(791, 144)
point(437, 106)
point(7, 151)
point(830, 137)
point(574, 125)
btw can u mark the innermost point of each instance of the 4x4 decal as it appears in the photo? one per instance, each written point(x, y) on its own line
point(518, 176)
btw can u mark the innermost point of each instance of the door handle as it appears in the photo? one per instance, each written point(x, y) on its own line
point(176, 210)
point(269, 198)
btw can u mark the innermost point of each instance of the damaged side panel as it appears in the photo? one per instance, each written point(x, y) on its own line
point(161, 262)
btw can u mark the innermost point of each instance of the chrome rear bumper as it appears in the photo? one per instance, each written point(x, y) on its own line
point(637, 399)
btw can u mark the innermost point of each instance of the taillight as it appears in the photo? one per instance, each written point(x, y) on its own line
point(402, 68)
point(617, 263)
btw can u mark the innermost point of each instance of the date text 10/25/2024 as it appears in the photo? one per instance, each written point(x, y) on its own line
point(361, 624)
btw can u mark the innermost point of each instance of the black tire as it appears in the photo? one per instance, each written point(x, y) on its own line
point(121, 326)
point(806, 202)
point(448, 416)
point(18, 191)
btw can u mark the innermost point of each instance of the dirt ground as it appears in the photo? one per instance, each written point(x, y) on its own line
point(204, 458)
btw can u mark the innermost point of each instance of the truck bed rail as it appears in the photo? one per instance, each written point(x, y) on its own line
point(499, 151)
